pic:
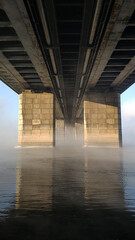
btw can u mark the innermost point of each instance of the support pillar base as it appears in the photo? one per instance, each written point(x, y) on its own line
point(36, 119)
point(102, 119)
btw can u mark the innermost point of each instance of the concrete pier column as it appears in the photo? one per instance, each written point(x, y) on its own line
point(36, 119)
point(79, 130)
point(60, 131)
point(102, 119)
point(69, 134)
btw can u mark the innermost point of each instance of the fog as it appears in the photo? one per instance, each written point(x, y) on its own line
point(8, 124)
point(9, 102)
point(128, 123)
point(70, 187)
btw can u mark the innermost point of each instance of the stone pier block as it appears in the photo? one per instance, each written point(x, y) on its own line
point(102, 119)
point(36, 119)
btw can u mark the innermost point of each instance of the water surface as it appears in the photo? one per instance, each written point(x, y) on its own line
point(67, 193)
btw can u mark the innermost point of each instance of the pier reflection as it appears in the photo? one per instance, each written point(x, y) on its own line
point(104, 179)
point(68, 193)
point(34, 179)
point(85, 179)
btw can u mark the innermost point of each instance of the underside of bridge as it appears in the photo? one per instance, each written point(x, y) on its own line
point(69, 60)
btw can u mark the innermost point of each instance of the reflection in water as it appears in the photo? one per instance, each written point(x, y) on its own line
point(103, 179)
point(34, 183)
point(67, 193)
point(129, 178)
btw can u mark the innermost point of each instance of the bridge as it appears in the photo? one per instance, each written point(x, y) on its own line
point(69, 61)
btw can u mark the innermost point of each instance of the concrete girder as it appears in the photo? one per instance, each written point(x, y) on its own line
point(23, 65)
point(5, 24)
point(48, 20)
point(27, 71)
point(30, 75)
point(10, 83)
point(43, 20)
point(8, 38)
point(18, 58)
point(124, 74)
point(18, 16)
point(95, 20)
point(12, 49)
point(79, 83)
point(12, 73)
point(119, 18)
point(58, 112)
point(79, 112)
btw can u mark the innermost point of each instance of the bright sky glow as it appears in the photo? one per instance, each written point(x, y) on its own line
point(128, 115)
point(9, 106)
point(9, 98)
point(129, 95)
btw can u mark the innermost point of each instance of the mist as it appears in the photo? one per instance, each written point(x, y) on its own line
point(9, 104)
point(8, 123)
point(63, 187)
point(128, 123)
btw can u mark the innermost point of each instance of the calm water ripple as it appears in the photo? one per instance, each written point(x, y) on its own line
point(67, 193)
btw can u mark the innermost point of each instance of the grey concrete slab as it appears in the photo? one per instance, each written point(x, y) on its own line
point(117, 23)
point(18, 16)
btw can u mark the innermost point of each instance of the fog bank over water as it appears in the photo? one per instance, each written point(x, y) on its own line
point(8, 123)
point(67, 193)
point(128, 123)
point(9, 104)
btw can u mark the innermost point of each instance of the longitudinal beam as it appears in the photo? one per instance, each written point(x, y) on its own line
point(10, 76)
point(124, 74)
point(119, 18)
point(17, 14)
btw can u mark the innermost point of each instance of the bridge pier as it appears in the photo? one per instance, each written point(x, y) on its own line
point(102, 119)
point(60, 131)
point(79, 130)
point(36, 119)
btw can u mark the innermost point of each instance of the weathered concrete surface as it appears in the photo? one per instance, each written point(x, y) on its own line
point(125, 73)
point(36, 119)
point(119, 18)
point(58, 111)
point(19, 18)
point(102, 119)
point(10, 76)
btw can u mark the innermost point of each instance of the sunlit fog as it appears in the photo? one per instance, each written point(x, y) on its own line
point(9, 102)
point(9, 106)
point(69, 189)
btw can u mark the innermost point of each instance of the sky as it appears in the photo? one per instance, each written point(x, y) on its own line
point(9, 104)
point(9, 107)
point(128, 115)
